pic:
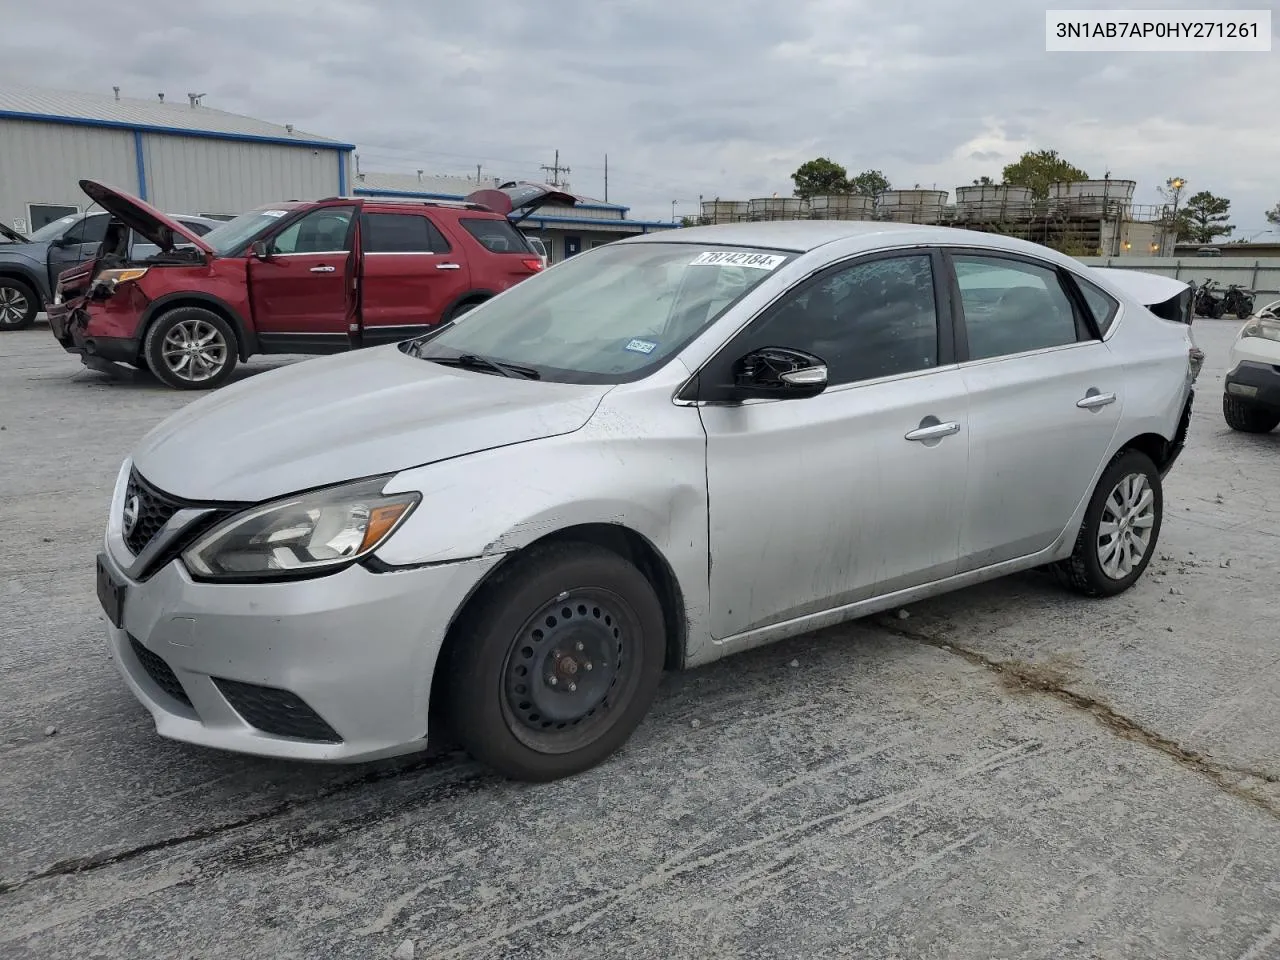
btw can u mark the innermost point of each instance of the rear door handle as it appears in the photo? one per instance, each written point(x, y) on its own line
point(448, 266)
point(323, 269)
point(934, 431)
point(1093, 399)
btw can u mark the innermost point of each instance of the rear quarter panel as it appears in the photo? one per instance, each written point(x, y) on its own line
point(1157, 375)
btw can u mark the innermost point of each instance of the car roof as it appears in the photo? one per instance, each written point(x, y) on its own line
point(802, 236)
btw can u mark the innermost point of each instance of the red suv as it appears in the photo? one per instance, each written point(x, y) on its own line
point(299, 277)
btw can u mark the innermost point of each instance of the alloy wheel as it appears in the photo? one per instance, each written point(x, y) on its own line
point(13, 306)
point(194, 350)
point(1124, 530)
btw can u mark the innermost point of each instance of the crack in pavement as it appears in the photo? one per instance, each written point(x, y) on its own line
point(107, 858)
point(1047, 681)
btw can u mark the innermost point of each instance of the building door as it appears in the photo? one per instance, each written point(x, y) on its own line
point(572, 245)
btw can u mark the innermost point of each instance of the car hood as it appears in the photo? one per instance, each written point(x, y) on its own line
point(165, 232)
point(11, 234)
point(340, 418)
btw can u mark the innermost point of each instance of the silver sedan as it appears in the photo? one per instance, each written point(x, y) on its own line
point(664, 451)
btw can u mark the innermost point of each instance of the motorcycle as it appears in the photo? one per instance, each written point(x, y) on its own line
point(1239, 301)
point(1210, 300)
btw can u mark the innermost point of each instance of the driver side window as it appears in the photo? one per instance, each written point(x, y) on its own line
point(92, 229)
point(873, 318)
point(321, 231)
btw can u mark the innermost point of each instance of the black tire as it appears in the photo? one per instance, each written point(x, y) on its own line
point(19, 304)
point(1083, 570)
point(195, 321)
point(462, 308)
point(1217, 311)
point(1246, 417)
point(532, 715)
point(1244, 311)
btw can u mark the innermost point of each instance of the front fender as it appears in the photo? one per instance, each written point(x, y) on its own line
point(501, 501)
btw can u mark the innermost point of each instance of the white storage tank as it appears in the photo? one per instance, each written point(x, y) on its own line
point(843, 206)
point(776, 208)
point(1092, 198)
point(993, 202)
point(911, 206)
point(724, 211)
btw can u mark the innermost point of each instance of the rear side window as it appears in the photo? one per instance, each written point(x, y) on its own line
point(400, 233)
point(1101, 305)
point(496, 236)
point(1012, 307)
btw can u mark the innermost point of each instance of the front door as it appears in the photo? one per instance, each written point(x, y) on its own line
point(857, 492)
point(302, 294)
point(1045, 398)
point(410, 276)
point(79, 243)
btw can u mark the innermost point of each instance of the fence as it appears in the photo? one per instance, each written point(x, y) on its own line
point(1259, 275)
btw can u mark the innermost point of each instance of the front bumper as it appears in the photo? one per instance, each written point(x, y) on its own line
point(1256, 381)
point(352, 653)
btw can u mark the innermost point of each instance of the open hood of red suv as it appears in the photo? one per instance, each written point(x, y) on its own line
point(521, 196)
point(143, 218)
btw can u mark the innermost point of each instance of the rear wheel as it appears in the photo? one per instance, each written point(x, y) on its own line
point(556, 662)
point(1246, 417)
point(1120, 529)
point(462, 308)
point(19, 304)
point(191, 348)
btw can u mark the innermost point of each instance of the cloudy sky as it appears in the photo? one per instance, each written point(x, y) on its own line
point(712, 98)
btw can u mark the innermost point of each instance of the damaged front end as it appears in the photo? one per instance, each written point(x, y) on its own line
point(104, 292)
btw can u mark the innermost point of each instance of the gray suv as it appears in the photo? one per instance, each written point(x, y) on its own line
point(29, 266)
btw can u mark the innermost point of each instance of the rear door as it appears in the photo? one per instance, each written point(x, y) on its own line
point(410, 275)
point(302, 294)
point(1045, 398)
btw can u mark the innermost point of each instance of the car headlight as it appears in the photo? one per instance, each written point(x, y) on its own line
point(303, 535)
point(110, 279)
point(1266, 329)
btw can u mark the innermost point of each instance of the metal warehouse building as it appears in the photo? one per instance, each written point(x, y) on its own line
point(182, 157)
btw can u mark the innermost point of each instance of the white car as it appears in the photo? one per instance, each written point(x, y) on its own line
point(665, 450)
point(1251, 394)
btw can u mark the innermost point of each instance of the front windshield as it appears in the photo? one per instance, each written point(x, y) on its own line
point(227, 238)
point(607, 316)
point(51, 231)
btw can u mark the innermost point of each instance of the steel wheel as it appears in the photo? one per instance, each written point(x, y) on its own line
point(1124, 535)
point(194, 350)
point(567, 667)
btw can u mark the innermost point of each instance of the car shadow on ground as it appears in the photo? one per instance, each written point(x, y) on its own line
point(123, 376)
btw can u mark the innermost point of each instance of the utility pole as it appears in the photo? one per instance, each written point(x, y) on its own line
point(555, 170)
point(606, 178)
point(478, 174)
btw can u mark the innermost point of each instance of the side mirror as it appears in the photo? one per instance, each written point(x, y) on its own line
point(779, 372)
point(62, 242)
point(260, 250)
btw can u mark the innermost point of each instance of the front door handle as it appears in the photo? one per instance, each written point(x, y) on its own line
point(933, 431)
point(1093, 400)
point(448, 266)
point(323, 269)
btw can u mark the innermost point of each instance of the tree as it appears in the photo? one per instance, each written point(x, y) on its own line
point(820, 177)
point(1039, 168)
point(869, 183)
point(1205, 218)
point(1273, 215)
point(984, 181)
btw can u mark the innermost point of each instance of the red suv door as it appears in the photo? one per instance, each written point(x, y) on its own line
point(301, 292)
point(410, 275)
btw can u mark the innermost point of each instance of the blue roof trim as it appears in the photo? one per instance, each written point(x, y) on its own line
point(174, 131)
point(423, 195)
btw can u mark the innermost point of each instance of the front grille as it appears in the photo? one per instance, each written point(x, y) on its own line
point(153, 507)
point(276, 711)
point(160, 672)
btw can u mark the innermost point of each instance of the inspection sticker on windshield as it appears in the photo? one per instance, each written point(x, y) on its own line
point(760, 261)
point(641, 346)
point(274, 213)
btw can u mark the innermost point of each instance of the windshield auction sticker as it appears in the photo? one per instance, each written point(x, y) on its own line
point(759, 261)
